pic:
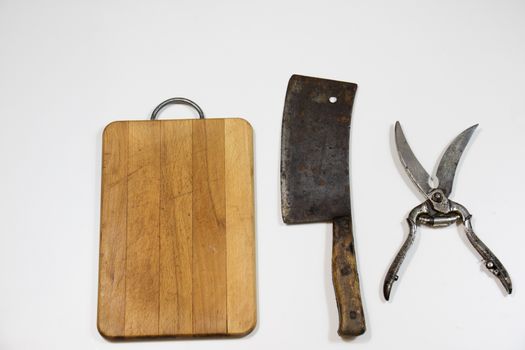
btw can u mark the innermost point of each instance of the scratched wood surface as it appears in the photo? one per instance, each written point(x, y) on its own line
point(177, 240)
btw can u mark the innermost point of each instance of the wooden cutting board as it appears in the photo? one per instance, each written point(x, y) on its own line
point(177, 254)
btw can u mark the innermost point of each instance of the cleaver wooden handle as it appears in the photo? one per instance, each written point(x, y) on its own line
point(346, 280)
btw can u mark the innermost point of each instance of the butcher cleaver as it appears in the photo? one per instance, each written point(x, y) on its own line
point(314, 179)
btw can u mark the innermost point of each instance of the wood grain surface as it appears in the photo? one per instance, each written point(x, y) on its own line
point(177, 242)
point(346, 280)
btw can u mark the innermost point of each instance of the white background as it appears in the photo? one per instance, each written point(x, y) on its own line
point(68, 68)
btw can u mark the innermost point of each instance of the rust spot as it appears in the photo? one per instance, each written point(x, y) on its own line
point(350, 248)
point(343, 119)
point(346, 270)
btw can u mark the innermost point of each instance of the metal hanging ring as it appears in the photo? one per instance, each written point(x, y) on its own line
point(177, 100)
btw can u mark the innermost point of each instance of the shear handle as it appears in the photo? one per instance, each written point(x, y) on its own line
point(492, 263)
point(391, 276)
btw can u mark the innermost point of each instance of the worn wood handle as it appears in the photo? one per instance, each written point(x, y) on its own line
point(346, 280)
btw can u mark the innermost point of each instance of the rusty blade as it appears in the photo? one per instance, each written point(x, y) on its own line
point(314, 149)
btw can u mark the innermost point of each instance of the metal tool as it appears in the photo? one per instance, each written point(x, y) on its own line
point(176, 100)
point(314, 179)
point(438, 210)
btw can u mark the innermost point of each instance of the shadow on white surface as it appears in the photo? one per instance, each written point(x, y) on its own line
point(96, 238)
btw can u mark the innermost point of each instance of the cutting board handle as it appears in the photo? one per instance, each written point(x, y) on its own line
point(346, 280)
point(174, 101)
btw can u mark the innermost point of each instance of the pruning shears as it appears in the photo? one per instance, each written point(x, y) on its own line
point(438, 210)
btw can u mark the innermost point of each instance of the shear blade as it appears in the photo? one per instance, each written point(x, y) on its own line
point(449, 162)
point(412, 166)
point(446, 168)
